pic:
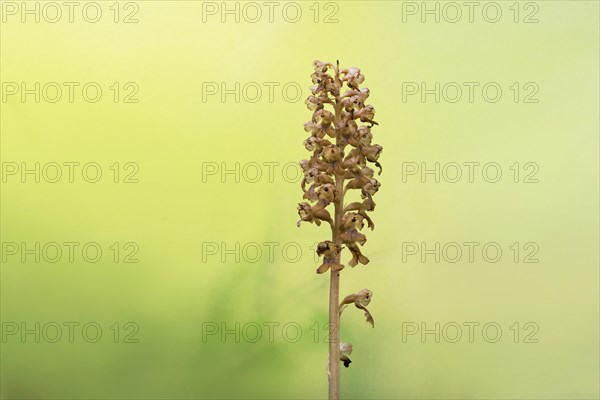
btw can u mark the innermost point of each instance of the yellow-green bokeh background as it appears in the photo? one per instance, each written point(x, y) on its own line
point(170, 293)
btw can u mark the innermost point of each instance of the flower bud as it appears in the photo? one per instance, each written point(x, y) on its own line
point(345, 351)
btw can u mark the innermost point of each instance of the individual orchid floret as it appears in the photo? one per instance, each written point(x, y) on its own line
point(314, 162)
point(314, 128)
point(357, 256)
point(315, 103)
point(352, 103)
point(353, 236)
point(372, 153)
point(318, 179)
point(362, 137)
point(354, 159)
point(352, 221)
point(345, 352)
point(364, 94)
point(370, 188)
point(361, 300)
point(362, 207)
point(355, 100)
point(323, 117)
point(348, 129)
point(332, 153)
point(352, 77)
point(311, 143)
point(316, 213)
point(352, 164)
point(321, 66)
point(366, 114)
point(326, 193)
point(361, 178)
point(330, 252)
point(316, 144)
point(313, 175)
point(311, 194)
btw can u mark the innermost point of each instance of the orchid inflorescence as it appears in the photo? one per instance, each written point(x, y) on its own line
point(330, 163)
point(341, 144)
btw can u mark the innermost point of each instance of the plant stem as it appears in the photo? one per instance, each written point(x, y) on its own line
point(334, 301)
point(334, 346)
point(334, 284)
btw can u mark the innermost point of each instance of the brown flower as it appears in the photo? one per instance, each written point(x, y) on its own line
point(332, 153)
point(362, 207)
point(345, 351)
point(357, 256)
point(316, 213)
point(330, 252)
point(361, 300)
point(352, 77)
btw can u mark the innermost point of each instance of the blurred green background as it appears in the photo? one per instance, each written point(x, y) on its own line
point(181, 219)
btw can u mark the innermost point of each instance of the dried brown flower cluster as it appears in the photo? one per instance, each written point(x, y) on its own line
point(340, 150)
point(341, 144)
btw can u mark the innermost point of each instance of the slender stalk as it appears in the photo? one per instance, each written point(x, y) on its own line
point(334, 337)
point(334, 284)
point(334, 299)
